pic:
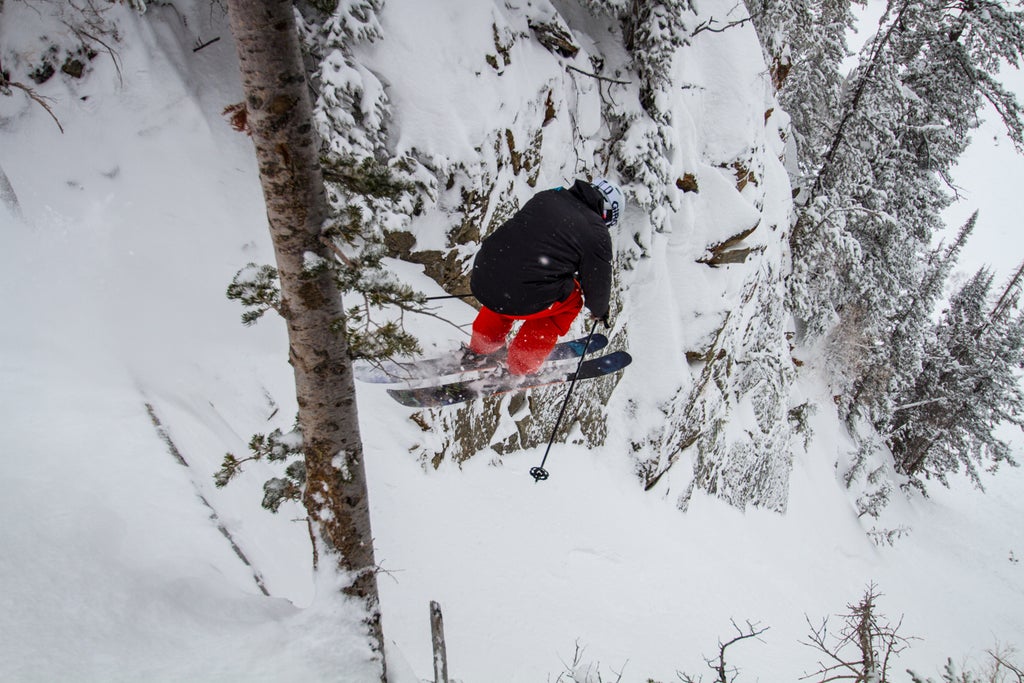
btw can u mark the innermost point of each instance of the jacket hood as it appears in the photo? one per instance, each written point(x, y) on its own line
point(589, 195)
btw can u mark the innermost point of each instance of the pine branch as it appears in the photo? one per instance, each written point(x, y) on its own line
point(918, 404)
point(839, 137)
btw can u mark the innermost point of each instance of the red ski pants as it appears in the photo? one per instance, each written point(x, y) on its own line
point(535, 339)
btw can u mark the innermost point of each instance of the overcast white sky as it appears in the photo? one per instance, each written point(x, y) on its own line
point(990, 174)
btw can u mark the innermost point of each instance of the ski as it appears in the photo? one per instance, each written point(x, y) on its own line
point(467, 390)
point(391, 372)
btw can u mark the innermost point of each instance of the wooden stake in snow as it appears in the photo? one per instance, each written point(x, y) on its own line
point(437, 638)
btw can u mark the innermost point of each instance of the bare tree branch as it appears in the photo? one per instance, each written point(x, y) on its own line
point(6, 85)
point(873, 643)
point(570, 67)
point(719, 666)
point(1000, 658)
point(709, 25)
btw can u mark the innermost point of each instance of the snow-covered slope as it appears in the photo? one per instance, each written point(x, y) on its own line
point(112, 562)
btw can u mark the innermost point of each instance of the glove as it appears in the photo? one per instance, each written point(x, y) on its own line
point(606, 320)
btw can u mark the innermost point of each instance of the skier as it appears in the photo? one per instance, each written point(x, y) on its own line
point(542, 266)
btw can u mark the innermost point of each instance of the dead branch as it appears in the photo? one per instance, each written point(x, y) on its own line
point(237, 115)
point(873, 644)
point(753, 631)
point(200, 44)
point(719, 666)
point(570, 67)
point(1003, 663)
point(335, 249)
point(709, 25)
point(36, 97)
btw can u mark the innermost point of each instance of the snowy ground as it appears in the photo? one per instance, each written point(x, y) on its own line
point(112, 568)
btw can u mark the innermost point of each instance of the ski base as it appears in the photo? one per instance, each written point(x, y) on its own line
point(467, 390)
point(392, 372)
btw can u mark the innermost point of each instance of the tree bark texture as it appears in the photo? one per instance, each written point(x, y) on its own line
point(437, 640)
point(279, 116)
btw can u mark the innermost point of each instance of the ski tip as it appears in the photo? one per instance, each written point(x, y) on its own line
point(614, 360)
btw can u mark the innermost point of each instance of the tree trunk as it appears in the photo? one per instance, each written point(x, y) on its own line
point(7, 196)
point(279, 117)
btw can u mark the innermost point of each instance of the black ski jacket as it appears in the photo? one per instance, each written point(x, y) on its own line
point(531, 261)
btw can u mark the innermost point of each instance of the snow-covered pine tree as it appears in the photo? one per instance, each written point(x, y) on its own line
point(368, 192)
point(877, 196)
point(968, 386)
point(805, 43)
point(875, 481)
point(371, 192)
point(894, 365)
point(778, 25)
point(653, 32)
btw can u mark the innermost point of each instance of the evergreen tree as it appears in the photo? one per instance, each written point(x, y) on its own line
point(887, 369)
point(804, 44)
point(861, 240)
point(967, 386)
point(814, 90)
point(370, 192)
point(653, 32)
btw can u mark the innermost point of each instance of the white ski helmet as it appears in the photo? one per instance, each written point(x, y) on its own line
point(614, 201)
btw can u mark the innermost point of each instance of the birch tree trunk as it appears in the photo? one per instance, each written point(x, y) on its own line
point(281, 123)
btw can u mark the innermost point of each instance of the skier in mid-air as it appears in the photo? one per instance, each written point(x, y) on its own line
point(542, 266)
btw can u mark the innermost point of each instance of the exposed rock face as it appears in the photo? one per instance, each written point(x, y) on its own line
point(673, 117)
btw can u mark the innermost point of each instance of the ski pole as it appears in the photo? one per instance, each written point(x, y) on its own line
point(539, 473)
point(448, 296)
